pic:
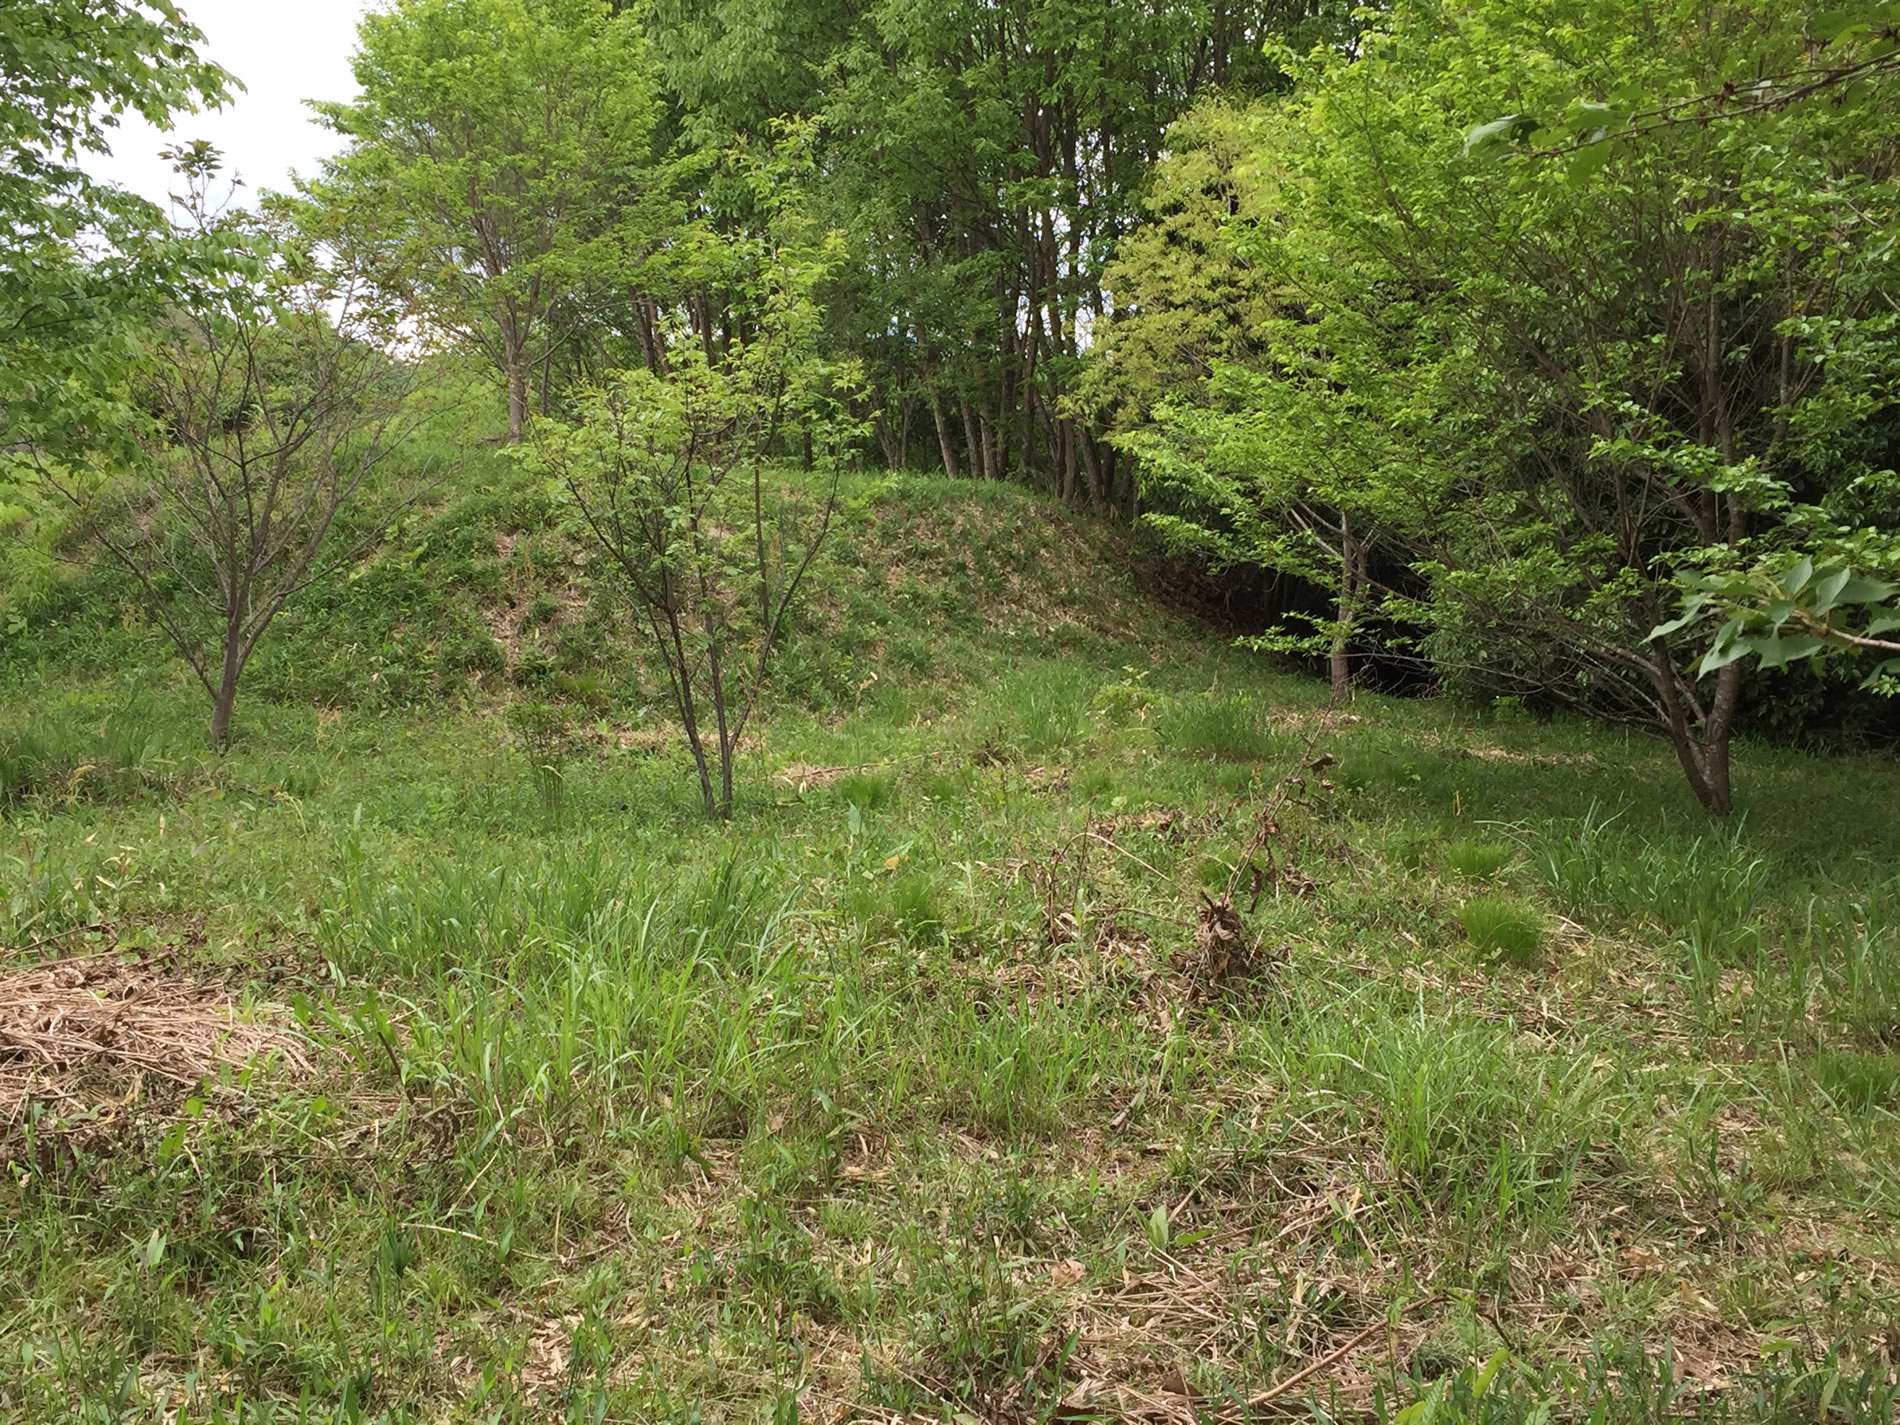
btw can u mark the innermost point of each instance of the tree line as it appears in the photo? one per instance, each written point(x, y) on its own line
point(1554, 341)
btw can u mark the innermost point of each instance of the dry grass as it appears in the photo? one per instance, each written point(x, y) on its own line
point(72, 1031)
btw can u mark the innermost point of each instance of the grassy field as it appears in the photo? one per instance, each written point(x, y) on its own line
point(942, 1082)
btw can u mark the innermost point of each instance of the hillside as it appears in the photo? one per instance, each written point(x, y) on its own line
point(1077, 1020)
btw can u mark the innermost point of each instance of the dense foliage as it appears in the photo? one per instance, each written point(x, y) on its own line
point(1498, 329)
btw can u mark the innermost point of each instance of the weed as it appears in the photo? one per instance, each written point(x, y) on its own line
point(1709, 883)
point(545, 738)
point(867, 791)
point(1050, 708)
point(620, 1115)
point(1856, 1081)
point(1228, 726)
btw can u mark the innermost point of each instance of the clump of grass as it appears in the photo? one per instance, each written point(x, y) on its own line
point(914, 910)
point(1129, 701)
point(1507, 928)
point(1856, 1080)
point(1228, 726)
point(545, 736)
point(867, 791)
point(1050, 707)
point(1709, 885)
point(1478, 860)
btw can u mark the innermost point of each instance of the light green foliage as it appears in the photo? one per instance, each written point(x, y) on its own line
point(1795, 612)
point(85, 268)
point(668, 476)
point(1551, 383)
point(502, 173)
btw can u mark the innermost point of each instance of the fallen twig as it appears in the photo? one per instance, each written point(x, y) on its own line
point(1334, 1356)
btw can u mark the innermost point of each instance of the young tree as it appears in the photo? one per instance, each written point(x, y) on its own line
point(671, 476)
point(269, 412)
point(501, 166)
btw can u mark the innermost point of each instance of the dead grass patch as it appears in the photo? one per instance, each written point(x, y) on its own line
point(75, 1031)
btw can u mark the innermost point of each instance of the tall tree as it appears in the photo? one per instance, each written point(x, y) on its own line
point(501, 174)
point(985, 159)
point(82, 265)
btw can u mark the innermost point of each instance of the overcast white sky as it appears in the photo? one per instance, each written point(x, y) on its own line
point(285, 51)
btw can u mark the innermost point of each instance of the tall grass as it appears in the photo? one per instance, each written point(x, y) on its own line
point(1228, 726)
point(1050, 707)
point(1708, 885)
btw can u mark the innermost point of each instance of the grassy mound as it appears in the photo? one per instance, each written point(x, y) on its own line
point(490, 591)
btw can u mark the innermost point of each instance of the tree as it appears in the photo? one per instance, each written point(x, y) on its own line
point(670, 474)
point(269, 411)
point(985, 161)
point(1785, 613)
point(1262, 433)
point(501, 170)
point(1633, 361)
point(82, 265)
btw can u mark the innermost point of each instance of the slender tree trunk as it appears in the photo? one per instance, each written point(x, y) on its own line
point(1701, 743)
point(514, 357)
point(1100, 489)
point(972, 442)
point(722, 722)
point(225, 699)
point(1350, 567)
point(944, 446)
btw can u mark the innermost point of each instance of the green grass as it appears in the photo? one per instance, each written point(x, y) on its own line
point(897, 1094)
point(1506, 927)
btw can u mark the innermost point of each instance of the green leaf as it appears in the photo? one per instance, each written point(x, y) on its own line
point(1796, 579)
point(1835, 25)
point(1859, 590)
point(1827, 590)
point(1693, 609)
point(1586, 163)
point(1497, 132)
point(1778, 652)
